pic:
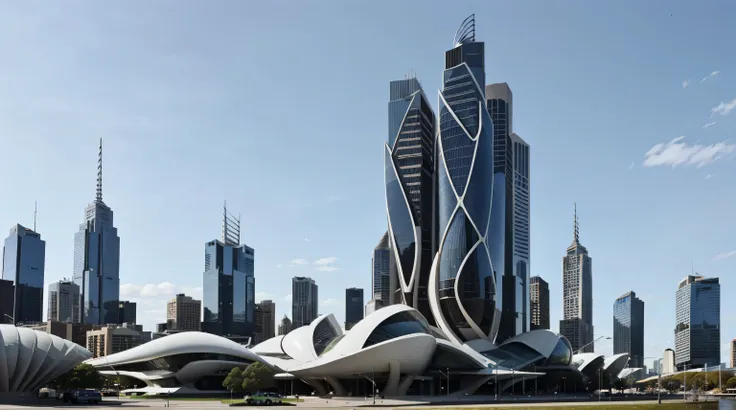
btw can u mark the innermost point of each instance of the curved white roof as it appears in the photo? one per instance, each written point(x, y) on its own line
point(269, 347)
point(583, 360)
point(30, 358)
point(616, 363)
point(298, 344)
point(541, 340)
point(177, 343)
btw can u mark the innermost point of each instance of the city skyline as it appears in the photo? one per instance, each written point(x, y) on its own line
point(154, 167)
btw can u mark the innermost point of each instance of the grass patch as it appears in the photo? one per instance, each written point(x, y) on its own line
point(713, 405)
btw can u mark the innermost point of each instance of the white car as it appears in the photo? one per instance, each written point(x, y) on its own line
point(264, 398)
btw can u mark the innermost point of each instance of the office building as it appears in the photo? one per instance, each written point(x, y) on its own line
point(698, 322)
point(539, 303)
point(265, 321)
point(127, 312)
point(284, 326)
point(24, 257)
point(114, 338)
point(6, 301)
point(183, 314)
point(409, 168)
point(353, 307)
point(469, 301)
point(382, 271)
point(229, 283)
point(577, 294)
point(733, 353)
point(521, 227)
point(63, 302)
point(499, 103)
point(304, 301)
point(97, 260)
point(75, 332)
point(628, 328)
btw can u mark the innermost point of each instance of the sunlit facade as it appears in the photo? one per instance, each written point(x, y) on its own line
point(698, 322)
point(23, 257)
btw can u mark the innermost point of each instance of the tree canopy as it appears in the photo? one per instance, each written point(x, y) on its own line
point(84, 376)
point(256, 376)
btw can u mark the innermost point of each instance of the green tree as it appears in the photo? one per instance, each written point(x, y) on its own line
point(234, 380)
point(84, 376)
point(731, 383)
point(257, 376)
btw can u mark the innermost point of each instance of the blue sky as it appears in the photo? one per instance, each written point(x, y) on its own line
point(280, 108)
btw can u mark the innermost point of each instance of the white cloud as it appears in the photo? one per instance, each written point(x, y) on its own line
point(326, 261)
point(709, 176)
point(710, 124)
point(724, 255)
point(306, 239)
point(713, 74)
point(330, 302)
point(288, 297)
point(326, 268)
point(685, 83)
point(677, 152)
point(723, 108)
point(631, 166)
point(280, 266)
point(151, 299)
point(263, 296)
point(299, 261)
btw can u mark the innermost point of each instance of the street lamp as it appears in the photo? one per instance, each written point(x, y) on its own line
point(588, 344)
point(12, 319)
point(495, 384)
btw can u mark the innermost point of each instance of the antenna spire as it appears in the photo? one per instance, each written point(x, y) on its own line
point(99, 174)
point(230, 227)
point(575, 226)
point(35, 213)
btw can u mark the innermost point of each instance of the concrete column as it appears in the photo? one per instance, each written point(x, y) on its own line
point(318, 386)
point(337, 387)
point(404, 385)
point(392, 385)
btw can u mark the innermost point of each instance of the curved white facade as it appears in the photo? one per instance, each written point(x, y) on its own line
point(30, 358)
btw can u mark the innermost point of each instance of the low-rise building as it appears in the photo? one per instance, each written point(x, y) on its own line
point(112, 339)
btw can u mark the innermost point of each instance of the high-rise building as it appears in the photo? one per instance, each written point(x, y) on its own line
point(127, 312)
point(539, 303)
point(229, 283)
point(698, 327)
point(111, 339)
point(353, 307)
point(409, 169)
point(265, 321)
point(184, 314)
point(24, 257)
point(733, 353)
point(577, 294)
point(304, 301)
point(63, 302)
point(284, 326)
point(628, 328)
point(465, 282)
point(499, 103)
point(521, 226)
point(382, 265)
point(6, 301)
point(97, 260)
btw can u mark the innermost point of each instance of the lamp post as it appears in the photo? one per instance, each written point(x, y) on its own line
point(373, 380)
point(12, 319)
point(597, 339)
point(495, 384)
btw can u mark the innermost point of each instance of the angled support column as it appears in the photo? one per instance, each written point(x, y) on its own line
point(318, 386)
point(392, 385)
point(337, 387)
point(404, 385)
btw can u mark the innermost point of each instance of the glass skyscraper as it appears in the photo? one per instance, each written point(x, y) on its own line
point(577, 294)
point(628, 328)
point(353, 307)
point(97, 260)
point(463, 276)
point(24, 256)
point(698, 327)
point(228, 291)
point(304, 301)
point(409, 168)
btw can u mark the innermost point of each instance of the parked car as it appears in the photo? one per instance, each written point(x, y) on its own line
point(267, 398)
point(81, 396)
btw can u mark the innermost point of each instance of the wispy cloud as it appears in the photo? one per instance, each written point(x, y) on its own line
point(330, 302)
point(326, 264)
point(151, 299)
point(723, 108)
point(280, 265)
point(306, 239)
point(713, 74)
point(678, 152)
point(709, 176)
point(724, 255)
point(710, 124)
point(631, 166)
point(299, 261)
point(685, 83)
point(288, 297)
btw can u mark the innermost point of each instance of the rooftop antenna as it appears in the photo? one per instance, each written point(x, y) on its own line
point(35, 214)
point(230, 228)
point(466, 32)
point(575, 226)
point(99, 174)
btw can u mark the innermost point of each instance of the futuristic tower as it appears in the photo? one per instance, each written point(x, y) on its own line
point(409, 169)
point(463, 283)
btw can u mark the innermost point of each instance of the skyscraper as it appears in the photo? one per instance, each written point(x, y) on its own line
point(577, 294)
point(521, 222)
point(6, 301)
point(304, 301)
point(284, 326)
point(353, 307)
point(409, 168)
point(24, 257)
point(539, 303)
point(733, 353)
point(228, 291)
point(97, 260)
point(265, 321)
point(698, 317)
point(63, 302)
point(465, 285)
point(127, 312)
point(381, 268)
point(628, 328)
point(184, 314)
